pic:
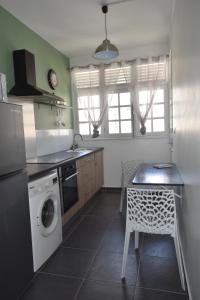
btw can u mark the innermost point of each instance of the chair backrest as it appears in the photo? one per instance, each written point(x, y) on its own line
point(151, 211)
point(128, 170)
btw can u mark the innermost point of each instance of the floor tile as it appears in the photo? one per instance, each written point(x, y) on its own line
point(50, 287)
point(146, 294)
point(159, 273)
point(107, 267)
point(158, 245)
point(113, 241)
point(118, 224)
point(92, 290)
point(69, 262)
point(79, 239)
point(94, 223)
point(89, 205)
point(88, 234)
point(70, 227)
point(108, 204)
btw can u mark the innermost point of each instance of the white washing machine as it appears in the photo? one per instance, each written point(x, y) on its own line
point(45, 216)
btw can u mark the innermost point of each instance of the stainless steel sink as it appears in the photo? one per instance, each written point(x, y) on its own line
point(79, 150)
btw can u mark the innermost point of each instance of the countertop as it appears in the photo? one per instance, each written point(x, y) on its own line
point(35, 168)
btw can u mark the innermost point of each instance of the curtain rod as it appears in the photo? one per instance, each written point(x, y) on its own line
point(116, 62)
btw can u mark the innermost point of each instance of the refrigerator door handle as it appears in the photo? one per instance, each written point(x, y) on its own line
point(38, 221)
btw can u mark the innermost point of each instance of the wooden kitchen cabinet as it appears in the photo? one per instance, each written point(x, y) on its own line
point(90, 177)
point(98, 161)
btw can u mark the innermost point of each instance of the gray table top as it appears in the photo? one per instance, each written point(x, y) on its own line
point(147, 174)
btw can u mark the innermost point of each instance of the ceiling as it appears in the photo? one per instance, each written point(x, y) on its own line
point(76, 27)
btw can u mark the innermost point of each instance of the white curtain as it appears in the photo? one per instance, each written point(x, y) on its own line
point(86, 84)
point(93, 82)
point(147, 76)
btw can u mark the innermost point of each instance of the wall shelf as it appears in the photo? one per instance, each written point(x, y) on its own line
point(53, 104)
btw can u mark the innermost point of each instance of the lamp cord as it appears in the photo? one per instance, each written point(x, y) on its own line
point(106, 27)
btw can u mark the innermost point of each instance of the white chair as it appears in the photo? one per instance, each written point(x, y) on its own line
point(152, 211)
point(128, 170)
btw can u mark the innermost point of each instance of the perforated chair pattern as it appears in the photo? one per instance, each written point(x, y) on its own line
point(128, 170)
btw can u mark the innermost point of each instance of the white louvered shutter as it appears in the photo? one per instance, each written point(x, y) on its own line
point(151, 72)
point(117, 75)
point(86, 78)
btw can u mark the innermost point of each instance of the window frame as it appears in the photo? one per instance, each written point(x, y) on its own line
point(120, 89)
point(103, 91)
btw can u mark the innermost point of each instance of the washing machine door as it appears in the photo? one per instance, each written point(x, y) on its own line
point(48, 215)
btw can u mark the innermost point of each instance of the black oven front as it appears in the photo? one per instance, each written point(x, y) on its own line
point(69, 185)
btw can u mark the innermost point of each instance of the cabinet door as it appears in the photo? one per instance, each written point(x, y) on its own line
point(86, 178)
point(98, 170)
point(81, 186)
point(90, 177)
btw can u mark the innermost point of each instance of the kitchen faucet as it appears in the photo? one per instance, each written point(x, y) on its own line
point(75, 145)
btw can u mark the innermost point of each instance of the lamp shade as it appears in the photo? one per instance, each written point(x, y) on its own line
point(106, 50)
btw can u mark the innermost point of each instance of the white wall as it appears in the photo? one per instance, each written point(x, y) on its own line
point(53, 140)
point(186, 97)
point(146, 149)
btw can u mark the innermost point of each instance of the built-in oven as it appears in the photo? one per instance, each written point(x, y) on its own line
point(68, 185)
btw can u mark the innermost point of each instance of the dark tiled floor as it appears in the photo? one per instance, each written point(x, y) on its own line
point(88, 264)
point(53, 287)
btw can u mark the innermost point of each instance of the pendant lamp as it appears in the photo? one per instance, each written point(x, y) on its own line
point(106, 50)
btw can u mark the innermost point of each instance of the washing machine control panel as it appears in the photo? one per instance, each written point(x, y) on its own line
point(42, 185)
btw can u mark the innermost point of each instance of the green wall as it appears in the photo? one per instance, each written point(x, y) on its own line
point(15, 35)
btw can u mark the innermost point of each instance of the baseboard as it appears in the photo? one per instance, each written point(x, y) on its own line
point(110, 189)
point(186, 273)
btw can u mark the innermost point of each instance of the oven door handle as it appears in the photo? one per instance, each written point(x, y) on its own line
point(66, 179)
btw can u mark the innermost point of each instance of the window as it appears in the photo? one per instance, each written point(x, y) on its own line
point(105, 90)
point(155, 122)
point(119, 113)
point(119, 120)
point(88, 100)
point(88, 107)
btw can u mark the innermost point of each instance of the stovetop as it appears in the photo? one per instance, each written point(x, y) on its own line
point(51, 158)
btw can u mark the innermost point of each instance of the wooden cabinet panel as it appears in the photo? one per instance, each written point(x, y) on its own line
point(81, 187)
point(90, 177)
point(85, 167)
point(98, 170)
point(89, 159)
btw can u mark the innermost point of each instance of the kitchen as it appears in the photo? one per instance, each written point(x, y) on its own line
point(52, 117)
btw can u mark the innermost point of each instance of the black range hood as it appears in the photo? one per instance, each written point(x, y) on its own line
point(25, 80)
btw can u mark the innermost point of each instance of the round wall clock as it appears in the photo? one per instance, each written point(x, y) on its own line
point(52, 79)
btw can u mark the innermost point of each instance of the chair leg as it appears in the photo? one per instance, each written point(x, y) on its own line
point(136, 239)
point(179, 260)
point(125, 254)
point(122, 199)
